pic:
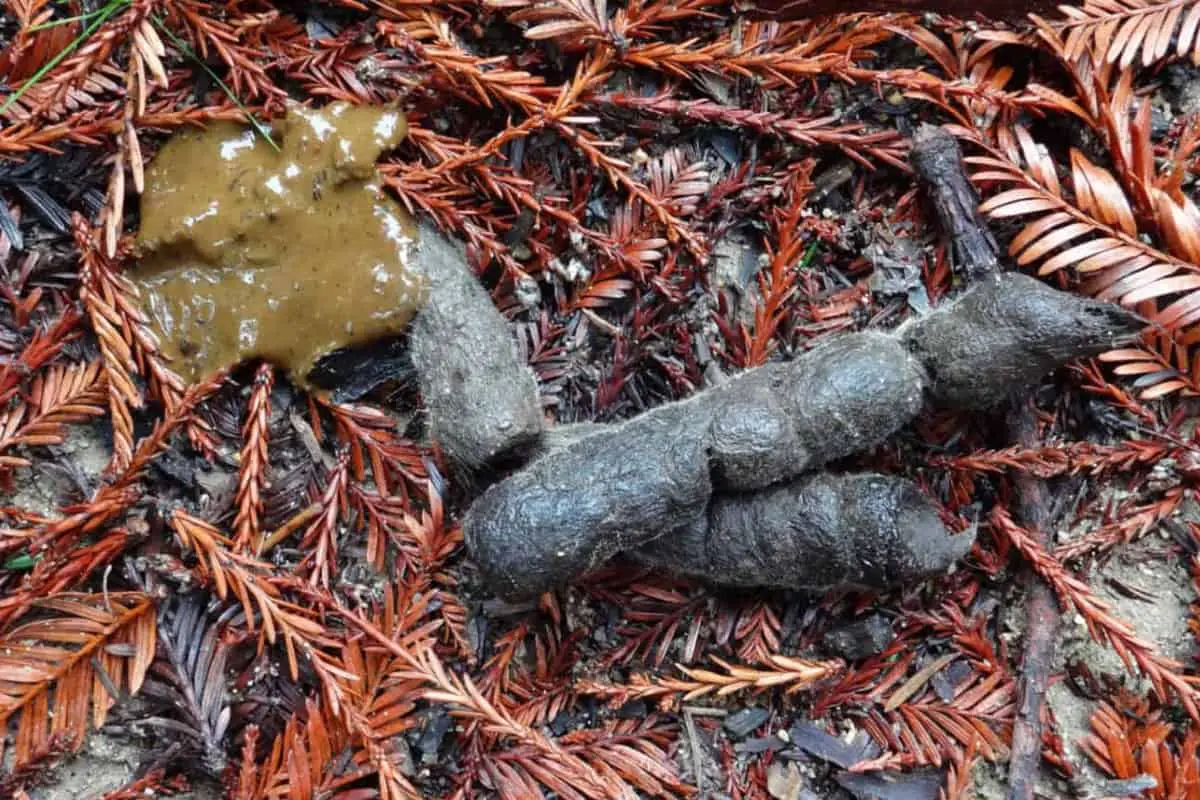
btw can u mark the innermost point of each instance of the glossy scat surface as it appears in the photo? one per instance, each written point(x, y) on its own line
point(286, 255)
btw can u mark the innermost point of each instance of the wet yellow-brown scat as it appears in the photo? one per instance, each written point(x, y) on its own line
point(249, 252)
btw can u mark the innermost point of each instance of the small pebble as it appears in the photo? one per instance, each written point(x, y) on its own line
point(527, 292)
point(436, 727)
point(784, 782)
point(564, 722)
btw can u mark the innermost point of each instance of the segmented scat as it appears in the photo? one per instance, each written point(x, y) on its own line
point(777, 421)
point(819, 532)
point(653, 476)
point(630, 483)
point(480, 396)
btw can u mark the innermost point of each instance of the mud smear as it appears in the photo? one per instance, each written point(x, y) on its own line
point(248, 252)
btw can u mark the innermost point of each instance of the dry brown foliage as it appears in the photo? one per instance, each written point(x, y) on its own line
point(1130, 738)
point(67, 661)
point(602, 161)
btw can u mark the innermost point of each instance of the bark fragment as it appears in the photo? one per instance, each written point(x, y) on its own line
point(938, 161)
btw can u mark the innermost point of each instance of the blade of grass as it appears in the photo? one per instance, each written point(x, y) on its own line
point(187, 51)
point(105, 14)
point(22, 561)
point(809, 255)
point(54, 23)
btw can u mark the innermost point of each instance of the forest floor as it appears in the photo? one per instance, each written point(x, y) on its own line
point(654, 193)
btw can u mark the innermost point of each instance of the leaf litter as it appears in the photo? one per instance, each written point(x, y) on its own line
point(362, 618)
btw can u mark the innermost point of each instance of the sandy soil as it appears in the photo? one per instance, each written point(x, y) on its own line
point(1149, 565)
point(106, 764)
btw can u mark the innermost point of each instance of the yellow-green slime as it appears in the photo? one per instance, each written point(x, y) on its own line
point(248, 252)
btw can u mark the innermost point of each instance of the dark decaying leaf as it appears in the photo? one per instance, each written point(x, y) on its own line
point(352, 373)
point(49, 210)
point(807, 737)
point(187, 683)
point(919, 785)
point(10, 228)
point(51, 186)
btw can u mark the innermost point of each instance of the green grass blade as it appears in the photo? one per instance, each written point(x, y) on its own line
point(105, 14)
point(54, 23)
point(187, 51)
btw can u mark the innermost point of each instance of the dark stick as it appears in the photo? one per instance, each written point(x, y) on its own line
point(937, 160)
point(1042, 614)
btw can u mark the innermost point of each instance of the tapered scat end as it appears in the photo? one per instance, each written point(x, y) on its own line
point(890, 533)
point(480, 396)
point(1008, 332)
point(926, 548)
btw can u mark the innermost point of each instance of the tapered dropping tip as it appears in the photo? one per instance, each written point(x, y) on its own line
point(1006, 333)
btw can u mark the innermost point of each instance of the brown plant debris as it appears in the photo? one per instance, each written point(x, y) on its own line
point(1133, 745)
point(632, 218)
point(67, 662)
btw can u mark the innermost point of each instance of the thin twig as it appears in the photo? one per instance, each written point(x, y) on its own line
point(938, 162)
point(1042, 622)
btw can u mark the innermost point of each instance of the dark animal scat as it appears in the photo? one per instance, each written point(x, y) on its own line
point(572, 510)
point(1006, 334)
point(864, 531)
point(844, 396)
point(480, 396)
point(646, 486)
point(615, 490)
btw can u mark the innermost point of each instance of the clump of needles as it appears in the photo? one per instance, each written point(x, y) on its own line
point(802, 405)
